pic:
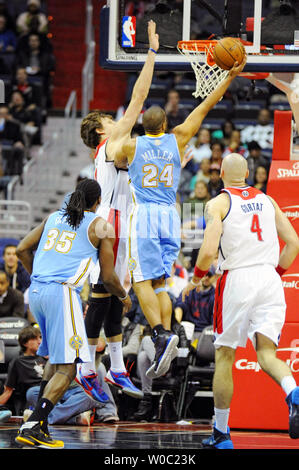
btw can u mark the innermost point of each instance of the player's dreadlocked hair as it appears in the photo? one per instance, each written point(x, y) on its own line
point(86, 194)
point(88, 128)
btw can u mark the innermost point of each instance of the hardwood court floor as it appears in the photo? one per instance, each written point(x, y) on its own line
point(154, 436)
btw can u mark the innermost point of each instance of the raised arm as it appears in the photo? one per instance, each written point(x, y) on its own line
point(141, 88)
point(185, 131)
point(288, 234)
point(26, 247)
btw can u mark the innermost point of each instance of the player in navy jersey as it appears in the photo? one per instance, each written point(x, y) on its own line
point(154, 163)
point(68, 244)
point(243, 224)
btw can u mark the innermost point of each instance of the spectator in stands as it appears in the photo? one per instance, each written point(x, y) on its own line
point(174, 113)
point(203, 173)
point(11, 300)
point(254, 160)
point(198, 306)
point(29, 91)
point(224, 134)
point(34, 59)
point(10, 23)
point(262, 132)
point(235, 145)
point(28, 116)
point(38, 63)
point(8, 40)
point(11, 137)
point(261, 179)
point(17, 275)
point(199, 199)
point(32, 19)
point(217, 149)
point(215, 184)
point(201, 147)
point(23, 383)
point(25, 370)
point(145, 357)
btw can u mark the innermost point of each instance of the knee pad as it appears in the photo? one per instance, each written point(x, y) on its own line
point(95, 315)
point(112, 326)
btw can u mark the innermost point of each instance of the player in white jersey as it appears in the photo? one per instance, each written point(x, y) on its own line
point(96, 131)
point(244, 224)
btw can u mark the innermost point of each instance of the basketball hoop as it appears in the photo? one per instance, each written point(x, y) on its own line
point(200, 54)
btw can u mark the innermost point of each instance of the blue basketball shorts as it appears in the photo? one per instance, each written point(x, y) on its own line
point(58, 311)
point(154, 241)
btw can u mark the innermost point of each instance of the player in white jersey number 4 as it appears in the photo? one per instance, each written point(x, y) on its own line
point(244, 224)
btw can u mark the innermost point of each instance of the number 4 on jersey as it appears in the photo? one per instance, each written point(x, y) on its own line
point(255, 227)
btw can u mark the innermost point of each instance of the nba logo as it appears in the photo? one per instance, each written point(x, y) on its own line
point(128, 31)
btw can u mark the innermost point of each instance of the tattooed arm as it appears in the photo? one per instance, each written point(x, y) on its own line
point(215, 211)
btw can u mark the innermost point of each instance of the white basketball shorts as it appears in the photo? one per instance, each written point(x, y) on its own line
point(248, 300)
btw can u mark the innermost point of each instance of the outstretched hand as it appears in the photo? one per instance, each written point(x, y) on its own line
point(153, 37)
point(237, 68)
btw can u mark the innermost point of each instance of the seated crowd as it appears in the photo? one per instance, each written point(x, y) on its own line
point(27, 65)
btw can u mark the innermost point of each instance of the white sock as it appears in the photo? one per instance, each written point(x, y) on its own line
point(89, 367)
point(221, 419)
point(288, 384)
point(116, 357)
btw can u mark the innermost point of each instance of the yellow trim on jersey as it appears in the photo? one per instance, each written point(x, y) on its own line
point(155, 135)
point(72, 317)
point(84, 272)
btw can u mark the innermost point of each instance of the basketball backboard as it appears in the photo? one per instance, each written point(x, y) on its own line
point(272, 43)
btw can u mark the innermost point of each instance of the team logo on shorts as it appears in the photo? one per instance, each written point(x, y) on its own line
point(76, 342)
point(132, 264)
point(245, 193)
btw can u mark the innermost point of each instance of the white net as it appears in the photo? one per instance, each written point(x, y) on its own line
point(207, 76)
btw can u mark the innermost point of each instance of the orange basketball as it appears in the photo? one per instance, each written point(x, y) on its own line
point(228, 51)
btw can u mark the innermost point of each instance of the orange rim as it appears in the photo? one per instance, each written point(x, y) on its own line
point(200, 45)
point(254, 75)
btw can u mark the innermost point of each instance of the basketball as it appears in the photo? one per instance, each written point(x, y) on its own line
point(228, 51)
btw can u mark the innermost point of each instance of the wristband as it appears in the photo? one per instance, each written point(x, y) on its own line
point(199, 273)
point(123, 298)
point(280, 270)
point(153, 50)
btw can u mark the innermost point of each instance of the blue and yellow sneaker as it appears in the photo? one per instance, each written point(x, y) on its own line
point(91, 386)
point(122, 380)
point(218, 440)
point(293, 403)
